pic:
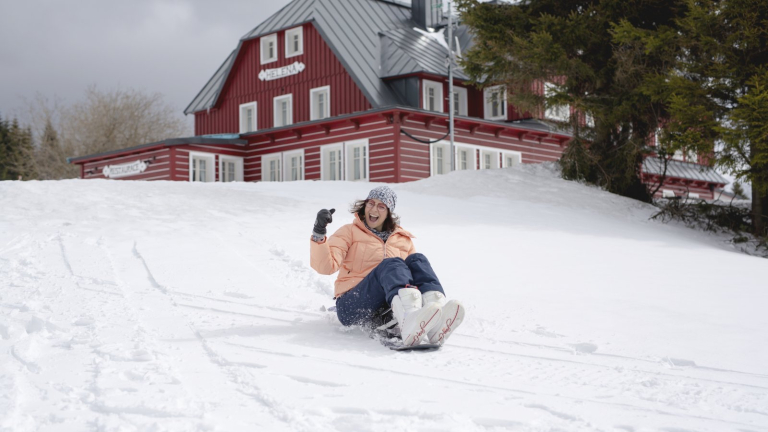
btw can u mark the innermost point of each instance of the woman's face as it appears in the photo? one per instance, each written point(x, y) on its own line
point(375, 213)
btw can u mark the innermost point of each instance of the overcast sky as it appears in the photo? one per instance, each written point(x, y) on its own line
point(59, 47)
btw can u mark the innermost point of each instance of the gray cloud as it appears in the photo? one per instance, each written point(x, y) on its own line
point(58, 48)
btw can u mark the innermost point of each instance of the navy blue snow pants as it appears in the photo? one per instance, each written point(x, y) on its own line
point(380, 286)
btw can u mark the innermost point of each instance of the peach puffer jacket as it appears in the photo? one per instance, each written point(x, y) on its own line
point(354, 251)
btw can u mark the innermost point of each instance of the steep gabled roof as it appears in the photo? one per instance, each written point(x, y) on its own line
point(210, 93)
point(352, 29)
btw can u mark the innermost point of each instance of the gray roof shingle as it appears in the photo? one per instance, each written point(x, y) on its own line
point(683, 170)
point(371, 38)
point(405, 50)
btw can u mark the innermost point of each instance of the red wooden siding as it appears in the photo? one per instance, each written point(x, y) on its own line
point(392, 156)
point(377, 131)
point(681, 187)
point(414, 155)
point(475, 99)
point(158, 169)
point(166, 163)
point(244, 86)
point(182, 157)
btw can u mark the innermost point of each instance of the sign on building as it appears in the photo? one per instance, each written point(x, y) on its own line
point(273, 74)
point(124, 170)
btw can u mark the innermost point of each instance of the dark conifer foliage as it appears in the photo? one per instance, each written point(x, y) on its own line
point(696, 68)
point(720, 93)
point(14, 142)
point(5, 147)
point(595, 52)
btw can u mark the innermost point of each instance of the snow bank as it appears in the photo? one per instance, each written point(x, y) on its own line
point(175, 306)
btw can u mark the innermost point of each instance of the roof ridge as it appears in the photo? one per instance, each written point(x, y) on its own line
point(292, 3)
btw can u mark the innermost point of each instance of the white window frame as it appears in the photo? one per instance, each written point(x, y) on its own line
point(349, 160)
point(558, 112)
point(438, 90)
point(289, 39)
point(325, 172)
point(243, 125)
point(495, 157)
point(288, 169)
point(278, 99)
point(264, 48)
point(265, 159)
point(210, 172)
point(473, 162)
point(461, 94)
point(238, 161)
point(313, 115)
point(488, 102)
point(516, 155)
point(434, 168)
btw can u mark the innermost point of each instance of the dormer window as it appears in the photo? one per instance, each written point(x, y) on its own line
point(294, 42)
point(433, 96)
point(495, 103)
point(269, 49)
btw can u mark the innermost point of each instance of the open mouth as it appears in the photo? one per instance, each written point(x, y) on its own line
point(372, 218)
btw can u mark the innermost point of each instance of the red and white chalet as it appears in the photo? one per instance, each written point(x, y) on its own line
point(344, 90)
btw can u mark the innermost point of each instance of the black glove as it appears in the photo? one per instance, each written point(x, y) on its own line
point(324, 217)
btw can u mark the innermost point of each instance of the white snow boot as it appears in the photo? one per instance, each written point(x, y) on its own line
point(451, 317)
point(415, 321)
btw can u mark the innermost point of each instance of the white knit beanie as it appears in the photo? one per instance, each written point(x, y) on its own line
point(385, 195)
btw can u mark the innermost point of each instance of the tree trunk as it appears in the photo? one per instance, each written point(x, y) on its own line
point(759, 212)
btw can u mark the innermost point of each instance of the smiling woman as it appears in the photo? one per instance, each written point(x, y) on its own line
point(378, 268)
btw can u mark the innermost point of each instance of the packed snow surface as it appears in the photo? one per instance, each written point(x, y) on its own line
point(161, 306)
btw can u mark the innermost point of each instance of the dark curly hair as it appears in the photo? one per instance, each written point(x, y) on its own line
point(390, 223)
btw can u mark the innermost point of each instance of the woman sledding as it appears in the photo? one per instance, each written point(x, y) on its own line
point(378, 266)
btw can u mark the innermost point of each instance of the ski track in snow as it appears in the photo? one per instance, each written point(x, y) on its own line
point(125, 319)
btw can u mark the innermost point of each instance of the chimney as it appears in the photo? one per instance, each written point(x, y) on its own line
point(427, 13)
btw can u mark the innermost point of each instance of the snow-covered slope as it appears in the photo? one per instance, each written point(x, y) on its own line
point(191, 307)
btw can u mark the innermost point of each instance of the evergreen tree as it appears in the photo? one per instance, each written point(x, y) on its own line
point(6, 151)
point(51, 154)
point(738, 191)
point(598, 54)
point(3, 151)
point(16, 151)
point(23, 154)
point(719, 93)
